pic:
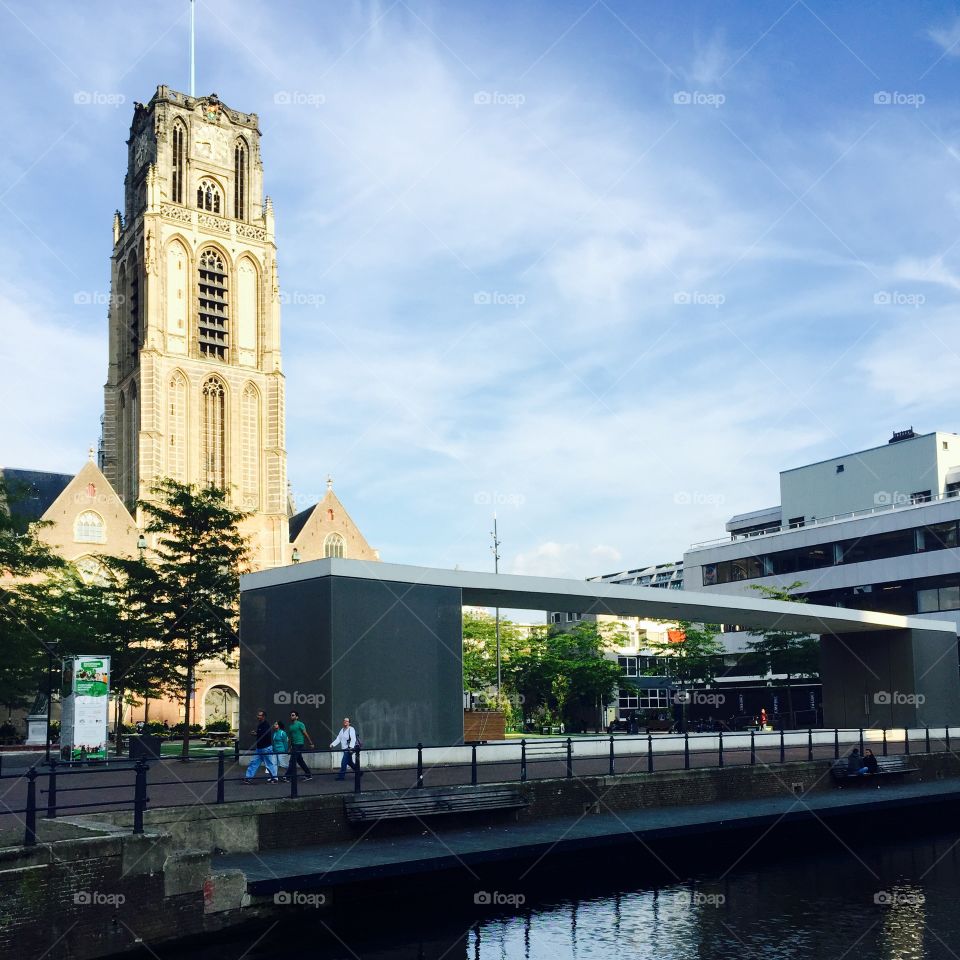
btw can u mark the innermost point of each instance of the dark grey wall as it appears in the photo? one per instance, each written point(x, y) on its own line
point(388, 655)
point(914, 672)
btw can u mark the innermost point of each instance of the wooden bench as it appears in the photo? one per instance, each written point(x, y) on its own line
point(886, 767)
point(428, 803)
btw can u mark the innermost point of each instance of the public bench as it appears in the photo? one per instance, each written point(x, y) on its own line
point(422, 803)
point(886, 767)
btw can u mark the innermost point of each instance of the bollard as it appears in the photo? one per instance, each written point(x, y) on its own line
point(236, 750)
point(686, 750)
point(473, 765)
point(809, 743)
point(946, 731)
point(30, 834)
point(783, 755)
point(836, 743)
point(720, 750)
point(139, 795)
point(523, 760)
point(753, 750)
point(292, 775)
point(52, 790)
point(569, 757)
point(612, 763)
point(649, 753)
point(220, 777)
point(357, 772)
point(928, 738)
point(861, 741)
point(419, 765)
point(906, 741)
point(884, 741)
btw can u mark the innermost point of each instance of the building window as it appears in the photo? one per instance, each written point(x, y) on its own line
point(213, 313)
point(208, 196)
point(556, 617)
point(178, 164)
point(239, 179)
point(214, 434)
point(250, 446)
point(91, 570)
point(628, 666)
point(89, 528)
point(334, 546)
point(177, 428)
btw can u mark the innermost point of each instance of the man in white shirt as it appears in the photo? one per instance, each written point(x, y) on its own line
point(346, 740)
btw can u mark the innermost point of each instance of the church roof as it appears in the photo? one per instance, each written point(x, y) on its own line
point(299, 520)
point(32, 492)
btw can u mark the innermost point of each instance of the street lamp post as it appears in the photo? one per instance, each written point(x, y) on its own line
point(496, 569)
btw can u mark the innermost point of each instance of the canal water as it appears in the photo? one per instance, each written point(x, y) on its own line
point(875, 900)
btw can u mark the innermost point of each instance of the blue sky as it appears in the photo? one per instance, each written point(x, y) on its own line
point(603, 267)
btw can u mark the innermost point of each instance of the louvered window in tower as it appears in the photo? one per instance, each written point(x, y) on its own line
point(239, 179)
point(179, 162)
point(212, 305)
point(214, 434)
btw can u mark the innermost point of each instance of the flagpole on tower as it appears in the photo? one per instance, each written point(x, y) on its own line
point(193, 59)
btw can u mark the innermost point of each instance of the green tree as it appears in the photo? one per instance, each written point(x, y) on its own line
point(689, 654)
point(565, 672)
point(480, 649)
point(790, 652)
point(24, 560)
point(198, 555)
point(528, 673)
point(584, 679)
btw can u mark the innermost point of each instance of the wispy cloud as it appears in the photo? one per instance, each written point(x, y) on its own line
point(522, 274)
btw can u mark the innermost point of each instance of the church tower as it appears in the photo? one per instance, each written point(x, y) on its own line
point(195, 389)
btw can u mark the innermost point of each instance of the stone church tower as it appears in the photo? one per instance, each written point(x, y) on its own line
point(195, 389)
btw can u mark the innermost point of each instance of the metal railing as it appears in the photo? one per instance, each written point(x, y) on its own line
point(895, 504)
point(563, 758)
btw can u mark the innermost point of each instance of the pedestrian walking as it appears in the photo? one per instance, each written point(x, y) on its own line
point(281, 744)
point(296, 735)
point(347, 741)
point(263, 752)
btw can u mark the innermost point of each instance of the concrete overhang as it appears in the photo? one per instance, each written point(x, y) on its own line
point(582, 596)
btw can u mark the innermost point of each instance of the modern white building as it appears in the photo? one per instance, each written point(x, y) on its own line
point(872, 530)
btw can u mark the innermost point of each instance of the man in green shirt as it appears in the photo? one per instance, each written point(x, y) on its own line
point(297, 734)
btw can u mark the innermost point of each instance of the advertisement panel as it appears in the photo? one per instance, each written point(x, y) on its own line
point(85, 696)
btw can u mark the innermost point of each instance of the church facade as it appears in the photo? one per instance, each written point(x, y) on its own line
point(195, 388)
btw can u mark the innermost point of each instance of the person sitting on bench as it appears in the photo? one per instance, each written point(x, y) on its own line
point(870, 764)
point(855, 764)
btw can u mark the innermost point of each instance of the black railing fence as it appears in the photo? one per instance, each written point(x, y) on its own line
point(49, 789)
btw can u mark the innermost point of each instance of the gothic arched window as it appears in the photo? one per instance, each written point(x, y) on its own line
point(214, 433)
point(239, 179)
point(178, 165)
point(177, 427)
point(208, 196)
point(89, 528)
point(250, 446)
point(91, 570)
point(333, 546)
point(213, 304)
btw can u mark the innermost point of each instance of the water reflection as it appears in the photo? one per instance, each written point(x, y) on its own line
point(893, 903)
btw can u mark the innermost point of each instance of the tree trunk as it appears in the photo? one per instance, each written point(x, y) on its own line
point(118, 722)
point(790, 701)
point(185, 750)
